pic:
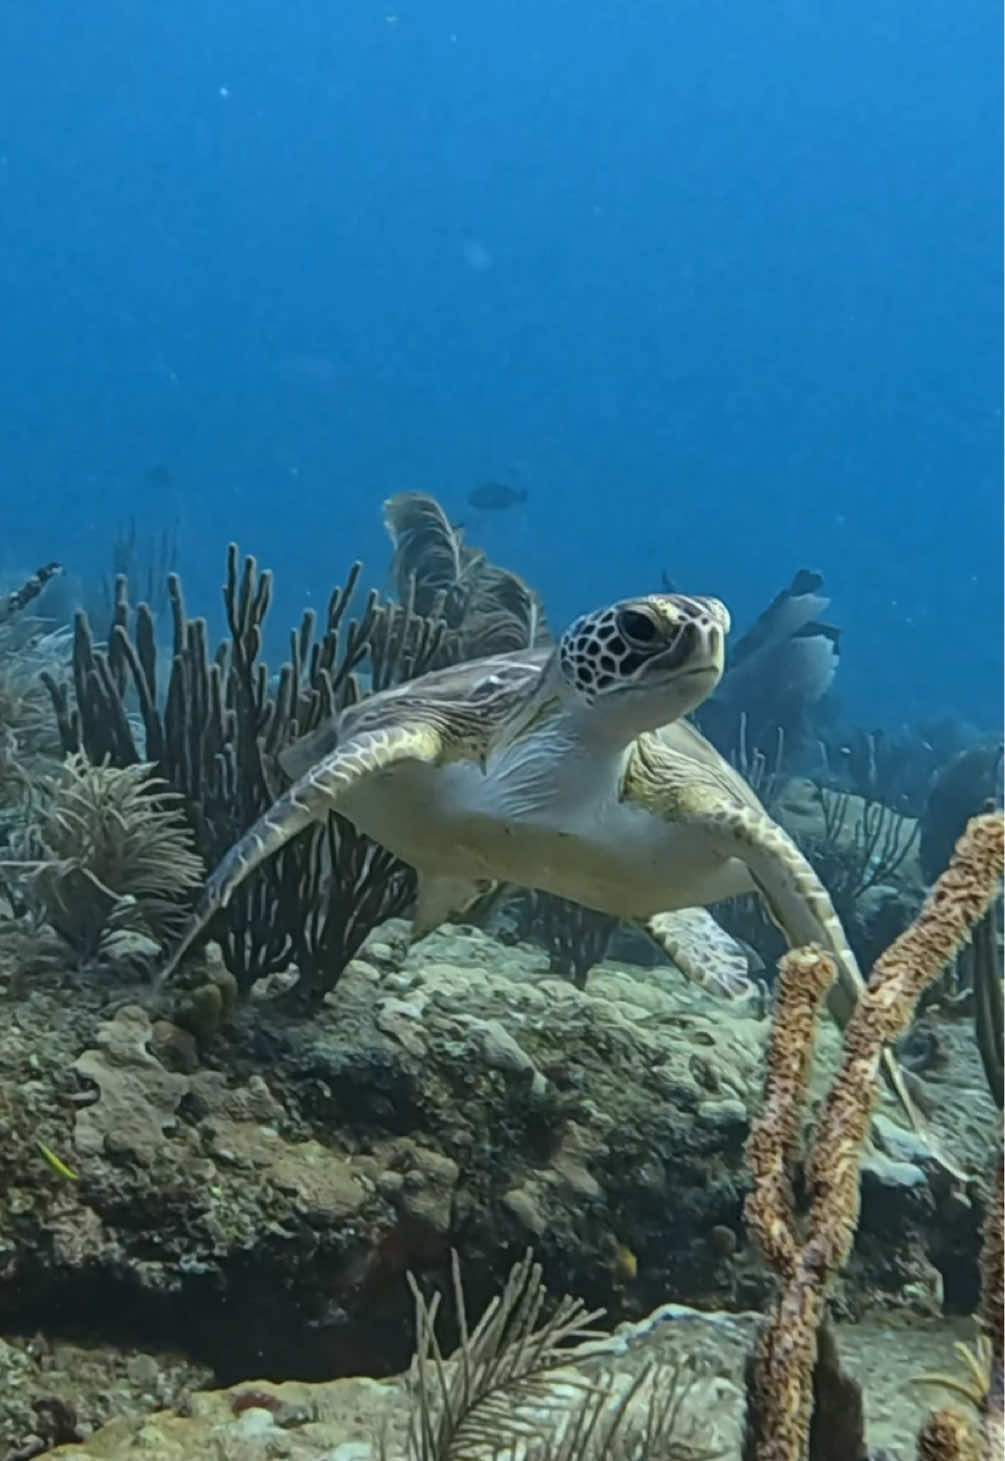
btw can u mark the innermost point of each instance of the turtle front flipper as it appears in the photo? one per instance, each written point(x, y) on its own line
point(801, 906)
point(789, 885)
point(308, 800)
point(701, 950)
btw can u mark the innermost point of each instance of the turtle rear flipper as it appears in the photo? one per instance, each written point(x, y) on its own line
point(702, 950)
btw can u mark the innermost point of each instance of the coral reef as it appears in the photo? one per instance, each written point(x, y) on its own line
point(665, 1387)
point(575, 937)
point(57, 1391)
point(146, 562)
point(488, 610)
point(688, 1359)
point(389, 1100)
point(958, 791)
point(254, 1200)
point(216, 1178)
point(781, 1392)
point(29, 740)
point(104, 849)
point(504, 1386)
point(219, 737)
point(865, 855)
point(992, 1313)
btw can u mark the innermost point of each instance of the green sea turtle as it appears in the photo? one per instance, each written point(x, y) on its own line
point(568, 769)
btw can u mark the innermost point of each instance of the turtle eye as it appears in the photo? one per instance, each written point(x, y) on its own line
point(637, 627)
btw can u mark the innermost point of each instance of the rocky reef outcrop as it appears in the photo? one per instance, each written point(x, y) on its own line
point(247, 1197)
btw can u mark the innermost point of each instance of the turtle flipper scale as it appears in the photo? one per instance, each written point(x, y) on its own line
point(316, 794)
point(701, 950)
point(789, 885)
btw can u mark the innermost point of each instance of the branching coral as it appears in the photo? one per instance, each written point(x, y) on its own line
point(879, 844)
point(993, 1309)
point(576, 938)
point(146, 560)
point(28, 737)
point(105, 849)
point(984, 968)
point(781, 1389)
point(227, 737)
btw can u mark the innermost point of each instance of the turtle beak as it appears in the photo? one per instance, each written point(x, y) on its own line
point(710, 648)
point(697, 648)
point(695, 631)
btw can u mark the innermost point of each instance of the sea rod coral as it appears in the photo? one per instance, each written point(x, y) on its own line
point(217, 732)
point(780, 1399)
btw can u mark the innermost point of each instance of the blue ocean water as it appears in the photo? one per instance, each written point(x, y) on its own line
point(718, 285)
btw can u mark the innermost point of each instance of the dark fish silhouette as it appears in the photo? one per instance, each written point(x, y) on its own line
point(496, 497)
point(160, 479)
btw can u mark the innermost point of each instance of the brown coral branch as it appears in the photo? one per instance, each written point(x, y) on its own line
point(993, 1309)
point(804, 976)
point(960, 897)
point(780, 1398)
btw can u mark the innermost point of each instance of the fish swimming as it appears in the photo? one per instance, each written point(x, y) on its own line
point(496, 496)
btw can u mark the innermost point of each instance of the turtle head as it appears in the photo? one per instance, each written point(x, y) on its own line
point(641, 663)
